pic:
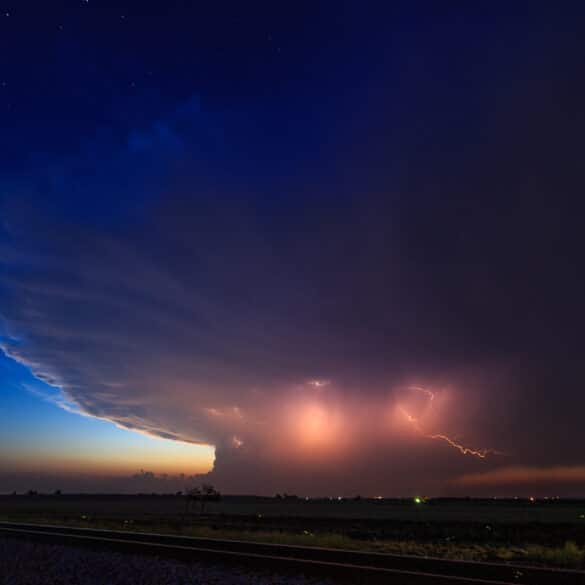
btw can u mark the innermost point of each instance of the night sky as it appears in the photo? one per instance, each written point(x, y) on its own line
point(323, 248)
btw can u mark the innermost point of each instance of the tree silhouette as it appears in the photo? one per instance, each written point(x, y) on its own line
point(201, 494)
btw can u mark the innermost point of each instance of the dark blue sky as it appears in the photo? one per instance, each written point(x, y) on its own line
point(207, 206)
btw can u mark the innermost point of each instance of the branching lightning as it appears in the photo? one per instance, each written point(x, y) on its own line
point(415, 424)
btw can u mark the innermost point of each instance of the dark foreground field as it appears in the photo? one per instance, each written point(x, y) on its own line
point(544, 532)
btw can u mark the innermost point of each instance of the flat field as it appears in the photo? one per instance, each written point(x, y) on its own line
point(547, 531)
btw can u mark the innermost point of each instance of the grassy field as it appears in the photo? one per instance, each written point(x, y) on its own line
point(545, 532)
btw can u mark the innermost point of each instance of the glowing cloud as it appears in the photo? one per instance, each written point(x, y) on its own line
point(526, 478)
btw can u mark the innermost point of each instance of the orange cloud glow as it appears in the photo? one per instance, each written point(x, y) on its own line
point(525, 475)
point(315, 426)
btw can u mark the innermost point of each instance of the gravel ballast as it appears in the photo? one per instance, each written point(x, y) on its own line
point(29, 563)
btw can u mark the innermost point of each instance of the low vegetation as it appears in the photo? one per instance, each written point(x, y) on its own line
point(519, 541)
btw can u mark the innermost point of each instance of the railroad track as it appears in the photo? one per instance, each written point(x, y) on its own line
point(343, 565)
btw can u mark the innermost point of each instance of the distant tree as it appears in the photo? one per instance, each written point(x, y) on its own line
point(209, 494)
point(32, 493)
point(201, 494)
point(57, 493)
point(192, 495)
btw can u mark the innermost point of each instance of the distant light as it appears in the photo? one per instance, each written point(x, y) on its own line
point(318, 383)
point(417, 500)
point(531, 499)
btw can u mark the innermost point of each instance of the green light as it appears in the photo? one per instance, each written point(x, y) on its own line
point(417, 500)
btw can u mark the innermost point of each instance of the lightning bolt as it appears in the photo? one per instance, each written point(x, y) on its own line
point(414, 422)
point(424, 390)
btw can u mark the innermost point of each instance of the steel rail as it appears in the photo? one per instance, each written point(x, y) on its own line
point(343, 565)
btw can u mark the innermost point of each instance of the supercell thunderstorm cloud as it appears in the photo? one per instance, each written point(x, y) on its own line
point(271, 355)
point(319, 277)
